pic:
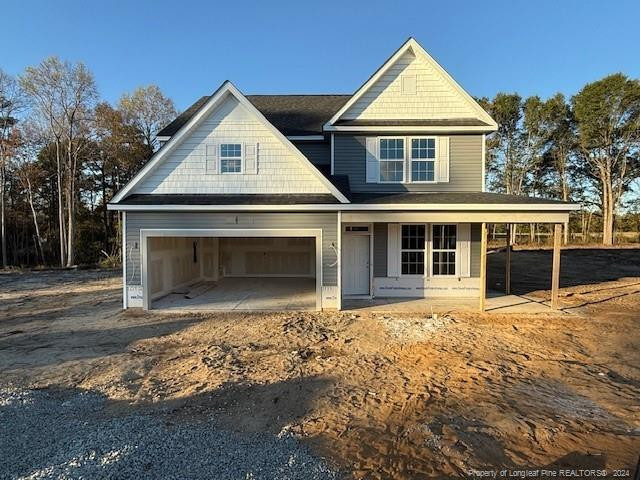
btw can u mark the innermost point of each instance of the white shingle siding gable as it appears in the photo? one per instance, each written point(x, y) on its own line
point(435, 97)
point(184, 171)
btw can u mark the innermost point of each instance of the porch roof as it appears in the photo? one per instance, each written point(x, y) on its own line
point(462, 198)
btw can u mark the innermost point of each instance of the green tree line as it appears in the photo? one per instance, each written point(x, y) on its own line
point(585, 149)
point(64, 153)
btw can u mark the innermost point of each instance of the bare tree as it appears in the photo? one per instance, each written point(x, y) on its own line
point(28, 173)
point(64, 94)
point(148, 109)
point(11, 104)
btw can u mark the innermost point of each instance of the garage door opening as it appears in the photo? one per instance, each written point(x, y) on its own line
point(225, 273)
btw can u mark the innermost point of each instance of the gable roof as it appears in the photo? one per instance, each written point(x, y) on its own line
point(291, 114)
point(411, 45)
point(227, 88)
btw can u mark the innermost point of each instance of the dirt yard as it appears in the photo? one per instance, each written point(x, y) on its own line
point(379, 395)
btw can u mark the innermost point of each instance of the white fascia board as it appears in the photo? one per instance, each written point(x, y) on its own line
point(414, 129)
point(411, 44)
point(226, 88)
point(335, 207)
point(305, 137)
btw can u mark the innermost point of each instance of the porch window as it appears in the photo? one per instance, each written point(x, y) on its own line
point(444, 249)
point(230, 158)
point(391, 160)
point(423, 159)
point(412, 251)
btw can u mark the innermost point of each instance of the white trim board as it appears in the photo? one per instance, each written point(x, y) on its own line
point(416, 48)
point(333, 207)
point(410, 129)
point(145, 234)
point(227, 88)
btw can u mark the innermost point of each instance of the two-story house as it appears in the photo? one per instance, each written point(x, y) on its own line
point(309, 200)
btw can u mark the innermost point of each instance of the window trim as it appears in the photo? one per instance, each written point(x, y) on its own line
point(455, 250)
point(425, 250)
point(403, 159)
point(241, 158)
point(435, 159)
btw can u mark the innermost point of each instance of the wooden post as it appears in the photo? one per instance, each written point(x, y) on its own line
point(483, 266)
point(555, 276)
point(507, 273)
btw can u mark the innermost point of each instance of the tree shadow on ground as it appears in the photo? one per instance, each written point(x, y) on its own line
point(76, 342)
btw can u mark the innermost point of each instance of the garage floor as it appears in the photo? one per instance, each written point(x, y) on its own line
point(248, 293)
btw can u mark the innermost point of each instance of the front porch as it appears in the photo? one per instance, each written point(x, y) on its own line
point(436, 261)
point(496, 302)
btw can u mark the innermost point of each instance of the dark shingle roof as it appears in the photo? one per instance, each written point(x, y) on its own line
point(225, 199)
point(291, 114)
point(462, 198)
point(298, 114)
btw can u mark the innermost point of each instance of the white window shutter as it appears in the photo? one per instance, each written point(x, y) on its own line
point(373, 167)
point(443, 160)
point(211, 158)
point(464, 250)
point(393, 250)
point(251, 158)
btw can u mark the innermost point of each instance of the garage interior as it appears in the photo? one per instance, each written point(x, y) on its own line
point(232, 273)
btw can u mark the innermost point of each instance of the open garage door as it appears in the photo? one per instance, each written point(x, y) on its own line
point(226, 270)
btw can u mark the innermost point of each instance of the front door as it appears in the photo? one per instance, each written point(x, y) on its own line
point(355, 265)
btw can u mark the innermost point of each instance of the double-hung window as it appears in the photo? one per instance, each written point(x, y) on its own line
point(412, 251)
point(444, 249)
point(391, 156)
point(231, 158)
point(423, 159)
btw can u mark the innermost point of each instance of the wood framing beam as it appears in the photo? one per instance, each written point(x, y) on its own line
point(507, 272)
point(483, 266)
point(555, 275)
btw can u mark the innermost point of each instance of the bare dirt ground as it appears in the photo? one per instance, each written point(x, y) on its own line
point(380, 395)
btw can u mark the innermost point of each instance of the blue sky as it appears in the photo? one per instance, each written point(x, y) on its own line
point(189, 47)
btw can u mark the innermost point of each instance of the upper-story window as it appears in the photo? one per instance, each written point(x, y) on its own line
point(231, 158)
point(391, 156)
point(423, 159)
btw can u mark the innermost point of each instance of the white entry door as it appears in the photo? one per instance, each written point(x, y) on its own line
point(355, 265)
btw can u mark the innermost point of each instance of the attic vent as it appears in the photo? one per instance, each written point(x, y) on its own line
point(408, 84)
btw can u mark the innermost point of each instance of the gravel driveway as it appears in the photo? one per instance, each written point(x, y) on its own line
point(67, 435)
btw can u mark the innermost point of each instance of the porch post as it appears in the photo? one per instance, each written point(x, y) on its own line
point(555, 276)
point(507, 279)
point(483, 266)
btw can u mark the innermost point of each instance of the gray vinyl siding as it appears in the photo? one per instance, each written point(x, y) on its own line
point(318, 152)
point(465, 166)
point(380, 249)
point(175, 220)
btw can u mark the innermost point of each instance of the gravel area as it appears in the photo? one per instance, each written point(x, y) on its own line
point(68, 435)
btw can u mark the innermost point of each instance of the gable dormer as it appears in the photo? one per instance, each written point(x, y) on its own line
point(227, 146)
point(411, 91)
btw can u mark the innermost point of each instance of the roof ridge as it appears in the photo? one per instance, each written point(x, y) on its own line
point(299, 95)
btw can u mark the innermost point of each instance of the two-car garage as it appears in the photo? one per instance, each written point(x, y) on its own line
point(233, 260)
point(231, 269)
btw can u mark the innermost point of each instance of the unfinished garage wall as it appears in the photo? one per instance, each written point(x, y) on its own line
point(267, 257)
point(210, 268)
point(173, 262)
